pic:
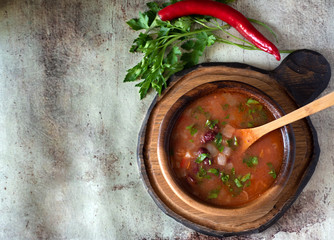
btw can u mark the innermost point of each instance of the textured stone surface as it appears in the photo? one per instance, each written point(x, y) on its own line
point(69, 124)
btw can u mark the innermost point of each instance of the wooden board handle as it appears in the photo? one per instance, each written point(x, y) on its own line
point(304, 74)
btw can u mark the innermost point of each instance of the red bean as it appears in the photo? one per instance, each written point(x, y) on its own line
point(209, 136)
point(202, 150)
point(207, 162)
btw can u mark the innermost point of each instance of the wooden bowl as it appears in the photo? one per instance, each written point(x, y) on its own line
point(299, 79)
point(253, 209)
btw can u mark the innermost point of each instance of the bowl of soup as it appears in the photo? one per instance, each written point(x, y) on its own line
point(199, 154)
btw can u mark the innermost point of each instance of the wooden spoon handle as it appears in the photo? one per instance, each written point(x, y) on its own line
point(307, 110)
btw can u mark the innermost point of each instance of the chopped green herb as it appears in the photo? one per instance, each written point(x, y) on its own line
point(245, 178)
point(251, 161)
point(227, 116)
point(250, 124)
point(202, 173)
point(213, 194)
point(234, 183)
point(211, 124)
point(170, 46)
point(192, 129)
point(250, 111)
point(251, 101)
point(237, 183)
point(272, 173)
point(233, 142)
point(220, 147)
point(225, 177)
point(241, 107)
point(223, 123)
point(218, 142)
point(191, 140)
point(200, 109)
point(218, 138)
point(225, 106)
point(272, 170)
point(202, 157)
point(214, 171)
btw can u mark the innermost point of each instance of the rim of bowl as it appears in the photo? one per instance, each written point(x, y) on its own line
point(169, 120)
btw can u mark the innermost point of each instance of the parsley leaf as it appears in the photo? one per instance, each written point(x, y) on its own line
point(225, 106)
point(219, 141)
point(233, 142)
point(192, 129)
point(153, 6)
point(197, 46)
point(245, 178)
point(202, 157)
point(237, 183)
point(214, 171)
point(225, 177)
point(139, 23)
point(211, 123)
point(251, 101)
point(170, 46)
point(272, 170)
point(251, 161)
point(202, 173)
point(213, 194)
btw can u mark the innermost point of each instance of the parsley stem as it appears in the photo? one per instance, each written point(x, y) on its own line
point(204, 25)
point(242, 40)
point(153, 25)
point(221, 40)
point(264, 25)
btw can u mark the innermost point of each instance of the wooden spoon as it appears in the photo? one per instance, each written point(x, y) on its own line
point(246, 137)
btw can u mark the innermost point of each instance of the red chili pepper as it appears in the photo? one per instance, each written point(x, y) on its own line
point(226, 14)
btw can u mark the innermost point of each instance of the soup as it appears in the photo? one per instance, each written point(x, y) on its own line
point(204, 153)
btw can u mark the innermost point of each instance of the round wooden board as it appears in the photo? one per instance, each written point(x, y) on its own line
point(297, 73)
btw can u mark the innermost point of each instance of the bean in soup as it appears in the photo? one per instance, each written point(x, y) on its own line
point(204, 151)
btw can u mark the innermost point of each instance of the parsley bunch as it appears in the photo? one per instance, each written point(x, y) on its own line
point(170, 46)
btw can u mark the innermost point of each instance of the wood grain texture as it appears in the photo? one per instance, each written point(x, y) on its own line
point(220, 225)
point(305, 74)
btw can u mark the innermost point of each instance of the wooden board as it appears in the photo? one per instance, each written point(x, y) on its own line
point(300, 78)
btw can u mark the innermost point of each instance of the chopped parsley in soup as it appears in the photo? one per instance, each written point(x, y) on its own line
point(205, 156)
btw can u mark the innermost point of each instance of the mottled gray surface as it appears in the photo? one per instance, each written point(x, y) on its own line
point(69, 125)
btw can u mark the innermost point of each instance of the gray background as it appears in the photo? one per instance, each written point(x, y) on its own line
point(69, 124)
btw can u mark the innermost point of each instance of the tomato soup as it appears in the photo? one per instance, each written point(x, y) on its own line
point(204, 153)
